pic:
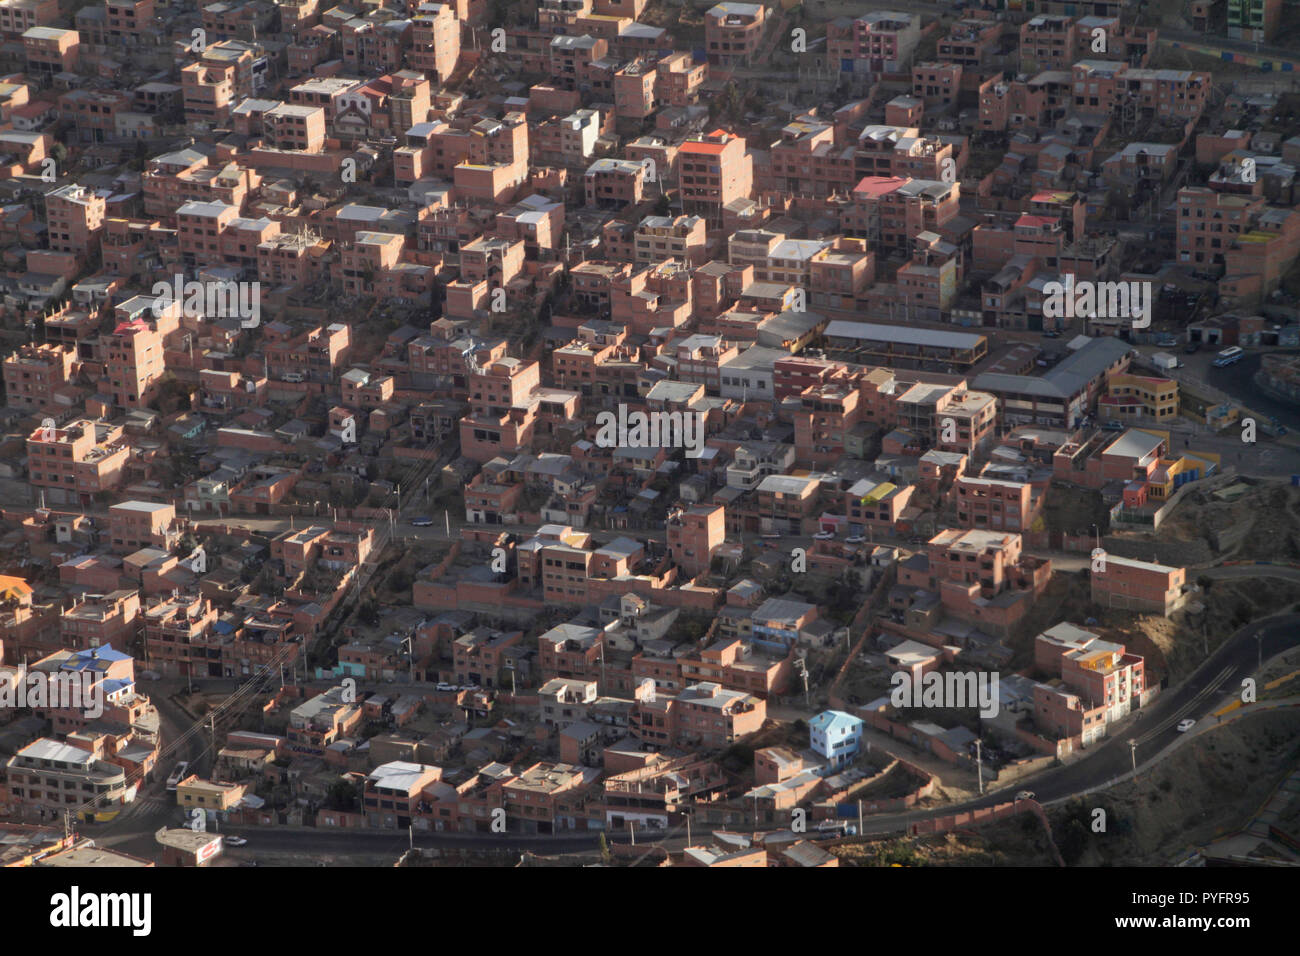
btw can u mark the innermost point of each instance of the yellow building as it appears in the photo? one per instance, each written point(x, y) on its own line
point(1134, 395)
point(195, 792)
point(1173, 473)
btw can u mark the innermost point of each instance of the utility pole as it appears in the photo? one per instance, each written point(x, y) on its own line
point(631, 825)
point(979, 764)
point(1133, 752)
point(409, 641)
point(801, 667)
point(860, 827)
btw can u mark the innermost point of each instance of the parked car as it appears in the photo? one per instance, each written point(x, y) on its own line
point(1186, 724)
point(825, 535)
point(1192, 348)
point(424, 521)
point(1051, 333)
point(1113, 426)
point(236, 841)
point(855, 539)
point(1025, 795)
point(442, 685)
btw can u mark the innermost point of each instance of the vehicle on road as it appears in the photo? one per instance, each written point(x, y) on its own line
point(180, 773)
point(1025, 795)
point(1051, 333)
point(1112, 426)
point(236, 841)
point(824, 535)
point(445, 686)
point(1185, 725)
point(1192, 348)
point(424, 521)
point(1229, 356)
point(855, 539)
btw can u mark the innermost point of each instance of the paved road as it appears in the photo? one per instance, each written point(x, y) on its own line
point(154, 807)
point(1239, 381)
point(324, 842)
point(1153, 730)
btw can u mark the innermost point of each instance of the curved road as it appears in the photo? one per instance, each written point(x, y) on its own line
point(1216, 682)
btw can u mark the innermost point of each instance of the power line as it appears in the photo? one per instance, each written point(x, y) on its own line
point(247, 690)
point(246, 693)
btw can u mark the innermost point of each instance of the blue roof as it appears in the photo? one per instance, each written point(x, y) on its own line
point(834, 718)
point(94, 658)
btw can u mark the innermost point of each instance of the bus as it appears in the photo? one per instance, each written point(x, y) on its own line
point(1228, 356)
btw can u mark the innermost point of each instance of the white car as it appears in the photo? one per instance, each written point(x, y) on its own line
point(236, 840)
point(855, 539)
point(179, 774)
point(1185, 725)
point(825, 536)
point(445, 686)
point(422, 522)
point(1025, 795)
